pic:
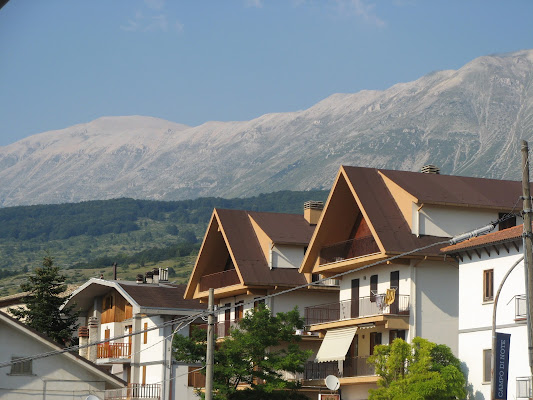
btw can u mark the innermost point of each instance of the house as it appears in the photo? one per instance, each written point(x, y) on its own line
point(114, 308)
point(60, 376)
point(483, 263)
point(372, 215)
point(247, 255)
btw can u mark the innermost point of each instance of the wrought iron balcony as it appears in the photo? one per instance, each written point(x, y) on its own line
point(363, 307)
point(353, 366)
point(348, 249)
point(113, 350)
point(219, 280)
point(135, 391)
point(523, 388)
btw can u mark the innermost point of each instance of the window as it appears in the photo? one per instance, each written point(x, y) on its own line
point(488, 285)
point(487, 364)
point(508, 223)
point(145, 333)
point(21, 368)
point(258, 302)
point(108, 303)
point(375, 339)
point(396, 333)
point(373, 288)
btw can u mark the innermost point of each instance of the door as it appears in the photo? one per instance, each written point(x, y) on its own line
point(395, 284)
point(107, 345)
point(375, 339)
point(355, 299)
point(227, 319)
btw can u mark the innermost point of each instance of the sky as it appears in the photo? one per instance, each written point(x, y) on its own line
point(65, 62)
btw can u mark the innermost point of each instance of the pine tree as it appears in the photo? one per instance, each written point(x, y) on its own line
point(42, 312)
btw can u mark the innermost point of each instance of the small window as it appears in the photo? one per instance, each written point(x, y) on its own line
point(508, 223)
point(488, 285)
point(22, 367)
point(396, 333)
point(487, 364)
point(108, 303)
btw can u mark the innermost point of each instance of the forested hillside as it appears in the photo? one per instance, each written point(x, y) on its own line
point(86, 238)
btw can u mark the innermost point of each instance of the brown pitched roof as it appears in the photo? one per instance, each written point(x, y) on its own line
point(284, 228)
point(247, 252)
point(457, 190)
point(160, 296)
point(505, 235)
point(384, 215)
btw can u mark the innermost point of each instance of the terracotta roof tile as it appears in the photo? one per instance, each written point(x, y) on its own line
point(163, 296)
point(504, 235)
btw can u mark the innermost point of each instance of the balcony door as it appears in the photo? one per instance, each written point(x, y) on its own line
point(395, 284)
point(227, 319)
point(354, 313)
point(375, 339)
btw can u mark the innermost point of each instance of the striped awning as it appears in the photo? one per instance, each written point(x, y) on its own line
point(336, 344)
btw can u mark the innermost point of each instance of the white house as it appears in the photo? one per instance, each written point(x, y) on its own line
point(113, 308)
point(372, 215)
point(57, 377)
point(483, 262)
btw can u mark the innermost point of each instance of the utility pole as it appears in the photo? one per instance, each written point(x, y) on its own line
point(528, 253)
point(210, 346)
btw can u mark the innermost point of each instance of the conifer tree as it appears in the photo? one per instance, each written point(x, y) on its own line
point(45, 288)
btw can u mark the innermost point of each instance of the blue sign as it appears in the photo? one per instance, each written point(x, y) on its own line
point(501, 365)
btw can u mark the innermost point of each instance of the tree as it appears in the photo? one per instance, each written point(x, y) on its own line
point(46, 286)
point(257, 351)
point(418, 371)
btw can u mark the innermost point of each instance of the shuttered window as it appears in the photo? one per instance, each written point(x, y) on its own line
point(21, 368)
point(488, 285)
point(487, 356)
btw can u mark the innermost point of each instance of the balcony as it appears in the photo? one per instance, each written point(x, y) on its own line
point(135, 391)
point(520, 306)
point(352, 248)
point(354, 366)
point(326, 282)
point(347, 309)
point(113, 350)
point(523, 388)
point(219, 280)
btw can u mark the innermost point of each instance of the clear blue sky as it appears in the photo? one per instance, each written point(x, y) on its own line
point(64, 62)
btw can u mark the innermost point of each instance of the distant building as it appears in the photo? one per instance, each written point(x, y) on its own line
point(56, 377)
point(483, 262)
point(112, 308)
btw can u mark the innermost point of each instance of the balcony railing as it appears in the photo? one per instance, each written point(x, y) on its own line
point(113, 350)
point(520, 306)
point(348, 249)
point(523, 388)
point(353, 366)
point(325, 282)
point(363, 307)
point(219, 279)
point(135, 391)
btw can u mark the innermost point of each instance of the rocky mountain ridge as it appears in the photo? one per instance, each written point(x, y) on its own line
point(468, 122)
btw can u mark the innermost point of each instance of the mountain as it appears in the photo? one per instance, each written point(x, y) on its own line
point(468, 122)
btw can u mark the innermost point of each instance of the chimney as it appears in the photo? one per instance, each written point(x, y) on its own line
point(140, 278)
point(149, 277)
point(155, 274)
point(163, 274)
point(114, 271)
point(312, 211)
point(93, 337)
point(430, 169)
point(83, 335)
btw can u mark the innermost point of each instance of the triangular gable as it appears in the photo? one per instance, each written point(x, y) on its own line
point(344, 217)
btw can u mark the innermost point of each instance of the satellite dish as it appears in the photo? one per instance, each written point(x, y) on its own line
point(332, 382)
point(92, 397)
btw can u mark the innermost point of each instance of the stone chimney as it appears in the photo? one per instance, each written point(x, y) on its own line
point(155, 275)
point(312, 211)
point(93, 337)
point(140, 278)
point(430, 169)
point(83, 335)
point(149, 277)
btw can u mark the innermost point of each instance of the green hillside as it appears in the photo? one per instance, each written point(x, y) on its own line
point(86, 238)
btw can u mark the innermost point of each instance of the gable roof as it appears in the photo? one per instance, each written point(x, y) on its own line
point(505, 235)
point(244, 248)
point(84, 363)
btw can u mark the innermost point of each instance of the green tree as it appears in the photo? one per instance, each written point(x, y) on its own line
point(257, 351)
point(45, 289)
point(418, 371)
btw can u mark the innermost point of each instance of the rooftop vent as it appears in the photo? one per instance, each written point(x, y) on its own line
point(149, 277)
point(312, 211)
point(140, 278)
point(430, 169)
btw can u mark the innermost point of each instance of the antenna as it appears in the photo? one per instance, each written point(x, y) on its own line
point(332, 382)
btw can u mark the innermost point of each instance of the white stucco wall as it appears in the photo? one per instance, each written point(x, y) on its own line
point(285, 256)
point(475, 317)
point(59, 376)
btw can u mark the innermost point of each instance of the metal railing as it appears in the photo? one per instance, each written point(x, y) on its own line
point(363, 307)
point(135, 391)
point(113, 350)
point(219, 279)
point(523, 388)
point(353, 366)
point(348, 249)
point(520, 306)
